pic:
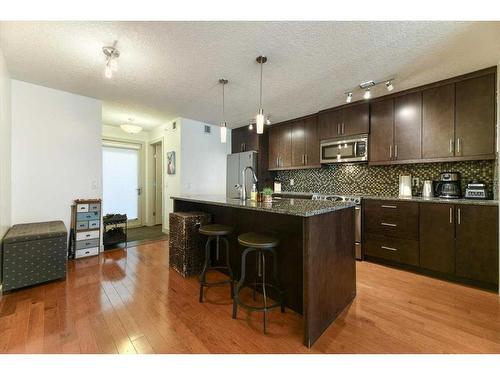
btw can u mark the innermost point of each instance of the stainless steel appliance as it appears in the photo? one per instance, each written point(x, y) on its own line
point(357, 217)
point(236, 165)
point(476, 190)
point(448, 186)
point(344, 150)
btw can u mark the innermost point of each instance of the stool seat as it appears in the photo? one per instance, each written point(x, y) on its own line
point(215, 230)
point(258, 240)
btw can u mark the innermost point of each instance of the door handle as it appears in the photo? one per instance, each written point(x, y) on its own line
point(388, 248)
point(451, 146)
point(458, 145)
point(388, 224)
point(338, 128)
point(388, 206)
point(390, 152)
point(343, 128)
point(139, 190)
point(459, 217)
point(305, 158)
point(451, 215)
point(396, 151)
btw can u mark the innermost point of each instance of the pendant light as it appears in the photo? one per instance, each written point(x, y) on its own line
point(223, 128)
point(259, 119)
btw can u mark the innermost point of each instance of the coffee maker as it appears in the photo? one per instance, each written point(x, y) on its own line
point(448, 185)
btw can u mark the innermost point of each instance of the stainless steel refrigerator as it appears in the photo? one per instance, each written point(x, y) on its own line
point(236, 164)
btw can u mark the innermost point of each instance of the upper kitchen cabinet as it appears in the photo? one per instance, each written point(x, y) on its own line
point(294, 144)
point(244, 139)
point(329, 124)
point(280, 146)
point(381, 131)
point(349, 120)
point(475, 117)
point(408, 127)
point(438, 122)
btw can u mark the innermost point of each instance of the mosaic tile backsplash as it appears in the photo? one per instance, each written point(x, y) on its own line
point(382, 180)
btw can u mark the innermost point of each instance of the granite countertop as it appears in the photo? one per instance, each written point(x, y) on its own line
point(480, 202)
point(285, 206)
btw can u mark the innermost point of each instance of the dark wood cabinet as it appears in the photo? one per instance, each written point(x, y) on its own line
point(475, 116)
point(477, 243)
point(381, 131)
point(298, 144)
point(453, 241)
point(408, 127)
point(437, 237)
point(346, 121)
point(355, 119)
point(280, 146)
point(329, 124)
point(438, 122)
point(244, 139)
point(312, 142)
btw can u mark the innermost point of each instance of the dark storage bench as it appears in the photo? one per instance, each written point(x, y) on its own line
point(34, 253)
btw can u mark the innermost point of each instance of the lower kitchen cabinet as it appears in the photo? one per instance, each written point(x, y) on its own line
point(452, 241)
point(437, 237)
point(398, 250)
point(477, 243)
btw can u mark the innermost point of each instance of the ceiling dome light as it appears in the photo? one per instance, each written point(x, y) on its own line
point(349, 98)
point(259, 119)
point(223, 127)
point(112, 55)
point(131, 129)
point(367, 94)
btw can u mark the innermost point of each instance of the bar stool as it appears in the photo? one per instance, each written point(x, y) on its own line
point(215, 232)
point(260, 244)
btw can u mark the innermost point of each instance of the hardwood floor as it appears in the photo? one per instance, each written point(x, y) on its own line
point(130, 302)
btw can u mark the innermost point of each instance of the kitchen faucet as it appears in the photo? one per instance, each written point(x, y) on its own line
point(243, 195)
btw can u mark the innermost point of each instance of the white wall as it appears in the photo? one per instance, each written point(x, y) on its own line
point(200, 160)
point(5, 149)
point(56, 152)
point(203, 159)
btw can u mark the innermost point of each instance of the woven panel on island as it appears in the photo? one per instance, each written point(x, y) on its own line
point(186, 250)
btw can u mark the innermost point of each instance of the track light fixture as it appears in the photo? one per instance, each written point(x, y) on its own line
point(366, 87)
point(112, 54)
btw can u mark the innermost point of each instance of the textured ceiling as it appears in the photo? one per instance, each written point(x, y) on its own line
point(170, 69)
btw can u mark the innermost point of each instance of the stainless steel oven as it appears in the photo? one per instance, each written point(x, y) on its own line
point(344, 150)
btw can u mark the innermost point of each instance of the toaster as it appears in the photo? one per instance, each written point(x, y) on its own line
point(476, 190)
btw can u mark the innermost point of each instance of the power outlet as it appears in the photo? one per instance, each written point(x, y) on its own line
point(292, 182)
point(415, 181)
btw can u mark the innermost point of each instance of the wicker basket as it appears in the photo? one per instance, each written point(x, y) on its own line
point(187, 254)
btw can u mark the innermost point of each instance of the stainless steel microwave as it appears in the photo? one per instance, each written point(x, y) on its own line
point(345, 150)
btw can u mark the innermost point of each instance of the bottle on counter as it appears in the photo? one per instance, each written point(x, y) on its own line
point(253, 193)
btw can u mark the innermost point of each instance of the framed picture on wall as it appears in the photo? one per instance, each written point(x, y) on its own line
point(171, 162)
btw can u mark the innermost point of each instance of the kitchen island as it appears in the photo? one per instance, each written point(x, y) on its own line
point(316, 251)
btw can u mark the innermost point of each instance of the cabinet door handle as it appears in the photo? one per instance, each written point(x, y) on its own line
point(343, 128)
point(458, 145)
point(458, 217)
point(388, 248)
point(390, 152)
point(451, 215)
point(451, 146)
point(388, 206)
point(388, 224)
point(305, 157)
point(338, 129)
point(396, 151)
point(277, 161)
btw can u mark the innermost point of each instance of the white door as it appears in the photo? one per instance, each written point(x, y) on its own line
point(158, 186)
point(121, 180)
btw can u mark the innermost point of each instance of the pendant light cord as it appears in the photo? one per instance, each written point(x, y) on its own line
point(260, 102)
point(223, 104)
